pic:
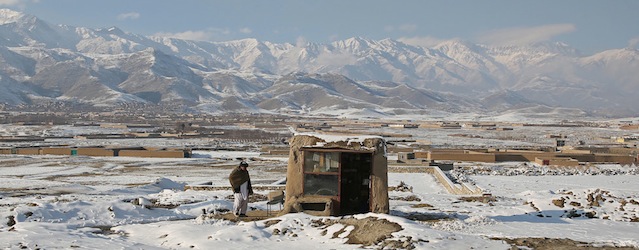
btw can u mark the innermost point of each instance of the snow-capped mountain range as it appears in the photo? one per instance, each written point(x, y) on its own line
point(103, 67)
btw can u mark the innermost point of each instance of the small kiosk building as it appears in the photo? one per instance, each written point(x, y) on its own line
point(336, 175)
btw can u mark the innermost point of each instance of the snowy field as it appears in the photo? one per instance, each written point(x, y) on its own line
point(59, 202)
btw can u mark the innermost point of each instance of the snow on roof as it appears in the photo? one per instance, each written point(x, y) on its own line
point(339, 138)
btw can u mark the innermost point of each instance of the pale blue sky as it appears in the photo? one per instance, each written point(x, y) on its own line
point(588, 25)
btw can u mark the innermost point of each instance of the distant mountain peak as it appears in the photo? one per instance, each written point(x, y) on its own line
point(557, 47)
point(456, 44)
point(625, 54)
point(354, 43)
point(249, 42)
point(9, 16)
point(112, 30)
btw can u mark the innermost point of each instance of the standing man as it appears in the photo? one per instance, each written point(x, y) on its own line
point(241, 183)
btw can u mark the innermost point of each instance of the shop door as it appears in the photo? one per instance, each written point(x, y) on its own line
point(355, 183)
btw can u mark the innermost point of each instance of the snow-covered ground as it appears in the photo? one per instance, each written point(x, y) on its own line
point(56, 202)
point(62, 202)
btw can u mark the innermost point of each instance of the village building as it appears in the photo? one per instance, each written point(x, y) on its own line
point(102, 151)
point(331, 175)
point(565, 157)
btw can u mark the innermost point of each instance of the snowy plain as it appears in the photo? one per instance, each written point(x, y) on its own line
point(61, 202)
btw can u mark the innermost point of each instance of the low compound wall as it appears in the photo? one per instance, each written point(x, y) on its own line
point(98, 151)
point(28, 151)
point(480, 157)
point(454, 188)
point(153, 154)
point(56, 151)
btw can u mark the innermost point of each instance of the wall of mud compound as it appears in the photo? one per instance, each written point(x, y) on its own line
point(454, 188)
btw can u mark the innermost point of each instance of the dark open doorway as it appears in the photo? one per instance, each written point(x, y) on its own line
point(355, 183)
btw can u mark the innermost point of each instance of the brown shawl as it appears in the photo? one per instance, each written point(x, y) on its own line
point(239, 176)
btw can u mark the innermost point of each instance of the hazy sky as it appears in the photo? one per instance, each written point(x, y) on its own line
point(588, 25)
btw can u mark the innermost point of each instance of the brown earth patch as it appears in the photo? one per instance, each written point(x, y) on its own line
point(554, 244)
point(368, 231)
point(252, 198)
point(252, 215)
point(482, 199)
point(402, 187)
point(269, 223)
point(62, 177)
point(426, 217)
point(422, 205)
point(407, 198)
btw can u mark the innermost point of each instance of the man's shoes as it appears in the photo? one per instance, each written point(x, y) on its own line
point(242, 215)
